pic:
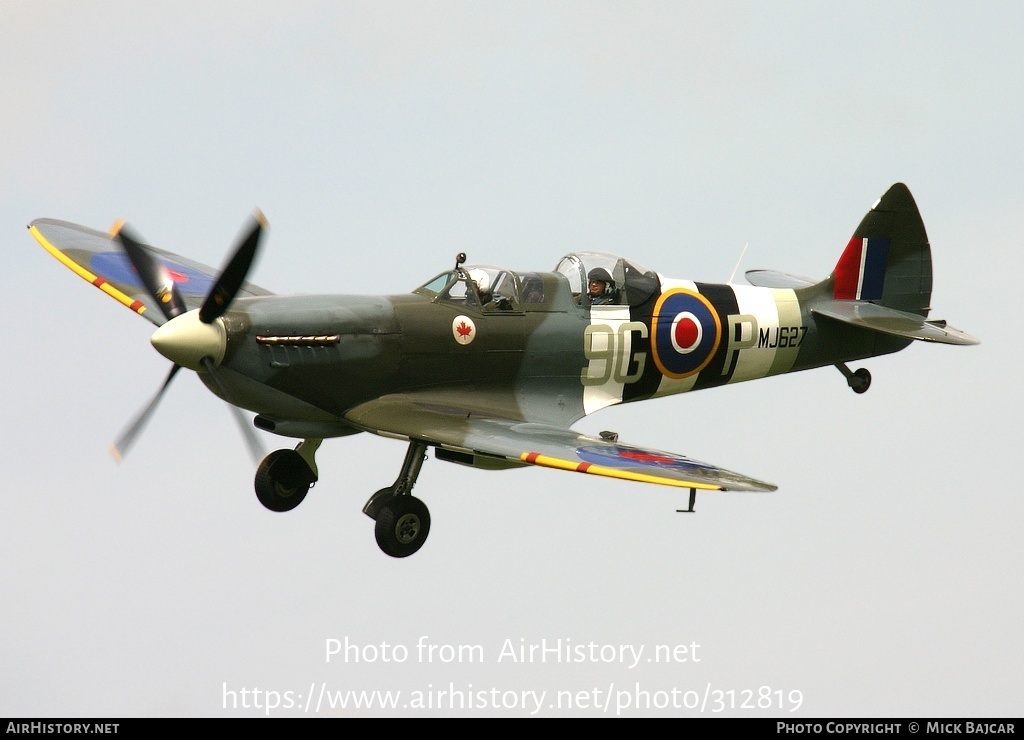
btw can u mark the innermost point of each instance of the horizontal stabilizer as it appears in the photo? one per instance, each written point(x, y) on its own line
point(774, 279)
point(890, 321)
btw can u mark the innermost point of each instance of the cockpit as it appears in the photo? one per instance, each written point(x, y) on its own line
point(488, 289)
point(595, 279)
point(602, 279)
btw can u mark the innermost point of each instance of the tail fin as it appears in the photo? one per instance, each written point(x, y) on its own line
point(888, 261)
point(883, 280)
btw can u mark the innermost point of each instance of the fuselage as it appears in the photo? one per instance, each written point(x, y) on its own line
point(542, 351)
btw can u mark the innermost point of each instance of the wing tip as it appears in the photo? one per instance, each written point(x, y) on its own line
point(82, 271)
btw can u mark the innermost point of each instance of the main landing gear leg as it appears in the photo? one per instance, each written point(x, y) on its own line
point(402, 519)
point(860, 380)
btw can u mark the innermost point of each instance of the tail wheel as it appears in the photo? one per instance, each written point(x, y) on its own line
point(282, 480)
point(402, 526)
point(860, 381)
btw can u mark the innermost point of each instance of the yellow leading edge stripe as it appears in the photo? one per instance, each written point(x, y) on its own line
point(554, 462)
point(101, 283)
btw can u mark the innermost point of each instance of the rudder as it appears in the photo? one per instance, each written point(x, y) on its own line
point(888, 260)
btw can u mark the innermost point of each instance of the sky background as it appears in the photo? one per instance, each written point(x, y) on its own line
point(380, 138)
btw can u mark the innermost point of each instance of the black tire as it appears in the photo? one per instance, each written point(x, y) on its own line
point(861, 380)
point(282, 480)
point(402, 526)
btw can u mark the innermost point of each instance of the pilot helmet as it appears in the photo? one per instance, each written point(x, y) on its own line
point(600, 275)
point(482, 280)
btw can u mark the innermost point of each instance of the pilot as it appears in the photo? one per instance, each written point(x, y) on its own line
point(601, 290)
point(482, 283)
point(489, 299)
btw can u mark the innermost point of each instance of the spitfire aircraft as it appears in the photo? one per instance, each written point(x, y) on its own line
point(491, 367)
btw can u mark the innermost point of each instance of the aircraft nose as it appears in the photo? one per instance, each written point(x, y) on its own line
point(185, 340)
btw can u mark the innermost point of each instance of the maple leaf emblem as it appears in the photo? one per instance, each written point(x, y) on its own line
point(463, 329)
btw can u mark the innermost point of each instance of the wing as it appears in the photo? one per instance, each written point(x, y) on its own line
point(93, 256)
point(507, 443)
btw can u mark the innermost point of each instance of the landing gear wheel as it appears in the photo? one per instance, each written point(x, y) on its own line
point(860, 381)
point(402, 526)
point(282, 480)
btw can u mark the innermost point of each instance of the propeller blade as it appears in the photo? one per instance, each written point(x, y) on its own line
point(256, 449)
point(160, 285)
point(155, 277)
point(252, 440)
point(120, 448)
point(233, 275)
